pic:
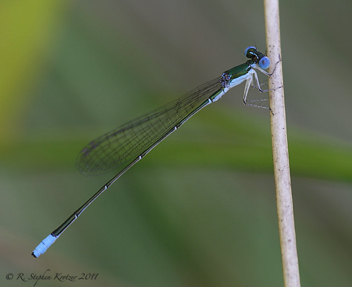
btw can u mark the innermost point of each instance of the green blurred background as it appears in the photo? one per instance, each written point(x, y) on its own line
point(200, 209)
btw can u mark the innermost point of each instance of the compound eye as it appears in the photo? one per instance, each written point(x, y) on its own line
point(248, 50)
point(264, 62)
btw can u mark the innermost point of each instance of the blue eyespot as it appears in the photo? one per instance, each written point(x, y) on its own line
point(264, 62)
point(246, 51)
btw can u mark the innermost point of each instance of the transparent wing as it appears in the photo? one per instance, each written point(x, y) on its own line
point(136, 138)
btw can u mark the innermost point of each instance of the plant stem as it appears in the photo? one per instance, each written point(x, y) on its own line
point(280, 149)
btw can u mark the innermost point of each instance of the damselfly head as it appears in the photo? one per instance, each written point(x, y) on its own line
point(258, 57)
